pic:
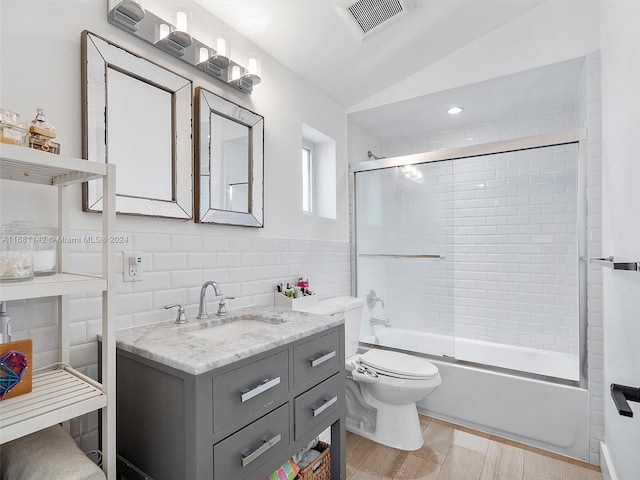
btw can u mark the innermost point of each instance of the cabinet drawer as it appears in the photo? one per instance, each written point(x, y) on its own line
point(249, 389)
point(316, 359)
point(244, 452)
point(313, 407)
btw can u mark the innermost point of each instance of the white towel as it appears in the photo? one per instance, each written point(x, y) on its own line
point(48, 454)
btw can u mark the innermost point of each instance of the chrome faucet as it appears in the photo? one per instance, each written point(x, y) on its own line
point(379, 321)
point(181, 318)
point(222, 306)
point(202, 310)
point(372, 299)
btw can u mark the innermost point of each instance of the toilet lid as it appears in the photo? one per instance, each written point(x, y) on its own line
point(398, 364)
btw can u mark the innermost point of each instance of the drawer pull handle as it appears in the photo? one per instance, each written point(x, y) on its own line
point(327, 403)
point(247, 458)
point(323, 358)
point(260, 388)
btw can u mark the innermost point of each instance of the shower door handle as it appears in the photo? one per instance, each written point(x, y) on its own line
point(622, 395)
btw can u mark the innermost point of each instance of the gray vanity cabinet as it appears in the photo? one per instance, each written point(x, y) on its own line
point(240, 421)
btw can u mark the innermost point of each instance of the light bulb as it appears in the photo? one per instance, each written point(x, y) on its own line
point(235, 72)
point(164, 30)
point(204, 54)
point(221, 47)
point(181, 21)
point(253, 67)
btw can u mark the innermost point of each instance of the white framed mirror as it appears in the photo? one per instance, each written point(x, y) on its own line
point(229, 166)
point(136, 115)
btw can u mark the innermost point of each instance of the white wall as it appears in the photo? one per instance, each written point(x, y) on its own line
point(553, 31)
point(621, 228)
point(41, 67)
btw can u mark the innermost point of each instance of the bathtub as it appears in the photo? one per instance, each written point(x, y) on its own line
point(540, 362)
point(549, 415)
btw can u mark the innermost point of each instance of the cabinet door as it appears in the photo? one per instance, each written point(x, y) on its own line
point(254, 448)
point(312, 408)
point(316, 359)
point(249, 389)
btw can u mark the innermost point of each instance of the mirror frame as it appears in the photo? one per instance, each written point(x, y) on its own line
point(98, 55)
point(206, 104)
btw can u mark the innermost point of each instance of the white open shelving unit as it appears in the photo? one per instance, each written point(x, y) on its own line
point(62, 393)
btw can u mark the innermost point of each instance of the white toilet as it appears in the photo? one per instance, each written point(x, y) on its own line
point(381, 399)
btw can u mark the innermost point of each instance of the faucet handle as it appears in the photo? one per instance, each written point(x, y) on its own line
point(181, 318)
point(222, 306)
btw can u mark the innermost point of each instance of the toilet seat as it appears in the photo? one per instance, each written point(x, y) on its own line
point(399, 365)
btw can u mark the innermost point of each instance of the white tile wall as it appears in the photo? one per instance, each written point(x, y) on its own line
point(590, 111)
point(507, 225)
point(175, 266)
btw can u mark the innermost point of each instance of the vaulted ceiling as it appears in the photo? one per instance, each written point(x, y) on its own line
point(312, 38)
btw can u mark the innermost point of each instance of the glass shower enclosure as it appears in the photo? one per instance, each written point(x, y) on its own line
point(475, 254)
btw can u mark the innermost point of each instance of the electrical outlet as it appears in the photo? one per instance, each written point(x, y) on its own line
point(132, 266)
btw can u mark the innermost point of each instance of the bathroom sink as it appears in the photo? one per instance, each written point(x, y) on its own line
point(223, 332)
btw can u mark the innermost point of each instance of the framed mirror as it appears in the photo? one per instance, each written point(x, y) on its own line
point(136, 115)
point(229, 164)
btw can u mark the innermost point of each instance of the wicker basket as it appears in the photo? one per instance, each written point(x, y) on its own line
point(320, 468)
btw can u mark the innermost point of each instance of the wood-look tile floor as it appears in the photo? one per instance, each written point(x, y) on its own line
point(451, 452)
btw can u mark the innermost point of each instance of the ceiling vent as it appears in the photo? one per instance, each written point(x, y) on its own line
point(366, 17)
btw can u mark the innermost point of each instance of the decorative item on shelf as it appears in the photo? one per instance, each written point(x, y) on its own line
point(12, 130)
point(15, 368)
point(16, 253)
point(45, 257)
point(132, 17)
point(41, 133)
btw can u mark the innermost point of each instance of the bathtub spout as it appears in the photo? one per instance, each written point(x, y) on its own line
point(379, 321)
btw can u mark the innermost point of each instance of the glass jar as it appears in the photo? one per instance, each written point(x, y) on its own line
point(16, 253)
point(45, 257)
point(12, 130)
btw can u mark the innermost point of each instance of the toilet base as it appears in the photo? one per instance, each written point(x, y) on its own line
point(396, 426)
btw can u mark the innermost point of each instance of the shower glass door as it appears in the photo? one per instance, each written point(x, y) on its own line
point(476, 257)
point(404, 232)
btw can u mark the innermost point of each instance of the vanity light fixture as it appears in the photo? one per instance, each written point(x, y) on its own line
point(127, 14)
point(132, 17)
point(455, 110)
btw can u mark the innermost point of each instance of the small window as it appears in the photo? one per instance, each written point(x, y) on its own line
point(319, 183)
point(307, 178)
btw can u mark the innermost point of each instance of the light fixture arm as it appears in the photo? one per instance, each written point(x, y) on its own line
point(129, 16)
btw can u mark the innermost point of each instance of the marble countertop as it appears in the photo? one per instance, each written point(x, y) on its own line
point(174, 346)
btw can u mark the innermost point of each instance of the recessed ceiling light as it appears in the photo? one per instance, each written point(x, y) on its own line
point(454, 110)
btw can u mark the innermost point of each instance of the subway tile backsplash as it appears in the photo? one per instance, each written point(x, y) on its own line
point(175, 266)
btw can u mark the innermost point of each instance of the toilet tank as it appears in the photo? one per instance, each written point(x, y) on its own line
point(352, 308)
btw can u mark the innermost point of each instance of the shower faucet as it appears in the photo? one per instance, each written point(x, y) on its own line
point(372, 299)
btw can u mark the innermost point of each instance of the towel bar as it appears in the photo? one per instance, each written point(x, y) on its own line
point(402, 255)
point(622, 395)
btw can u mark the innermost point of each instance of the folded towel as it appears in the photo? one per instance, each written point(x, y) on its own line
point(50, 453)
point(287, 471)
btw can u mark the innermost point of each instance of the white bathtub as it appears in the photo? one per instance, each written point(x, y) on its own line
point(541, 362)
point(545, 414)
